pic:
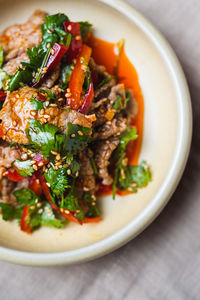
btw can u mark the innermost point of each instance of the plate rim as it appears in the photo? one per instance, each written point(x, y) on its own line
point(153, 209)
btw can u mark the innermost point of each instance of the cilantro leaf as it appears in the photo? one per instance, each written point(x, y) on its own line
point(71, 203)
point(91, 204)
point(53, 29)
point(120, 153)
point(42, 136)
point(66, 74)
point(85, 28)
point(75, 142)
point(37, 104)
point(103, 82)
point(48, 218)
point(119, 104)
point(23, 167)
point(25, 196)
point(58, 180)
point(50, 96)
point(8, 211)
point(134, 177)
point(23, 76)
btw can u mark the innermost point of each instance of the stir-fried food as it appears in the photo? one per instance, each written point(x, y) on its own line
point(65, 125)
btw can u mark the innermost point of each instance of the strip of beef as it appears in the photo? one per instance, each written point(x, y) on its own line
point(111, 128)
point(7, 156)
point(17, 111)
point(13, 65)
point(17, 38)
point(101, 74)
point(86, 179)
point(6, 188)
point(103, 153)
point(103, 108)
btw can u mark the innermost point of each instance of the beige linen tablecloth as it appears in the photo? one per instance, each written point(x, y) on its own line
point(164, 261)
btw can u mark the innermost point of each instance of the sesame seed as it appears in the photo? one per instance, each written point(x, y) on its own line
point(65, 166)
point(42, 111)
point(48, 31)
point(56, 168)
point(48, 184)
point(24, 156)
point(67, 211)
point(35, 95)
point(77, 173)
point(129, 189)
point(93, 203)
point(46, 103)
point(41, 164)
point(73, 135)
point(93, 197)
point(68, 90)
point(62, 210)
point(72, 67)
point(33, 162)
point(80, 133)
point(39, 204)
point(58, 163)
point(40, 211)
point(85, 189)
point(35, 167)
point(84, 68)
point(67, 95)
point(53, 105)
point(32, 155)
point(52, 51)
point(54, 152)
point(78, 211)
point(46, 170)
point(17, 95)
point(69, 171)
point(48, 45)
point(33, 113)
point(69, 27)
point(74, 60)
point(37, 181)
point(49, 214)
point(46, 116)
point(60, 99)
point(58, 157)
point(77, 37)
point(32, 207)
point(60, 167)
point(14, 123)
point(36, 200)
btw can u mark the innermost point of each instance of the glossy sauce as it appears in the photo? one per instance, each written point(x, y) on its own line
point(104, 54)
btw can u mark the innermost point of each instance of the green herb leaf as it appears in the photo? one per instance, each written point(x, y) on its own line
point(103, 82)
point(21, 76)
point(23, 168)
point(25, 196)
point(48, 218)
point(8, 211)
point(119, 103)
point(37, 104)
point(85, 28)
point(91, 204)
point(42, 136)
point(135, 177)
point(66, 75)
point(58, 180)
point(75, 142)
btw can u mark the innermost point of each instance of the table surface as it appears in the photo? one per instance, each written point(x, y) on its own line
point(164, 261)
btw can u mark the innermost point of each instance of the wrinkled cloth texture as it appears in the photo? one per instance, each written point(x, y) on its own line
point(162, 263)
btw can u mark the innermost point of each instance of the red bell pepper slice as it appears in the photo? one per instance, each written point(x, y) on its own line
point(14, 176)
point(77, 79)
point(88, 100)
point(76, 44)
point(2, 95)
point(92, 220)
point(70, 217)
point(54, 59)
point(1, 131)
point(34, 185)
point(46, 192)
point(24, 224)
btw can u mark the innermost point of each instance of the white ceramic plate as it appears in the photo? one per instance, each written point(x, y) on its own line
point(166, 142)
